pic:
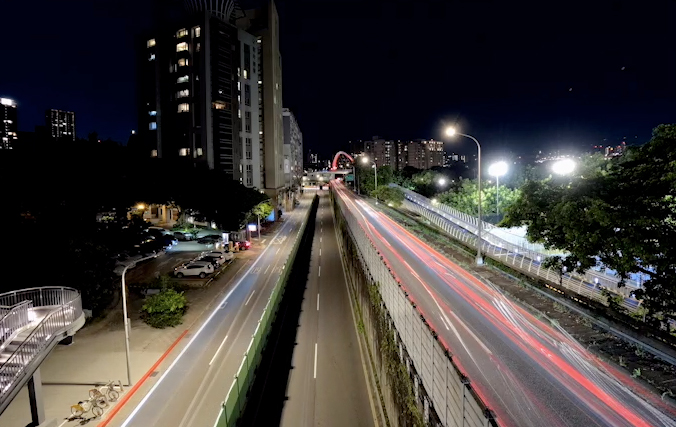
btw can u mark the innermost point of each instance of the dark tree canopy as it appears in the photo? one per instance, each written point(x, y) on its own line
point(619, 211)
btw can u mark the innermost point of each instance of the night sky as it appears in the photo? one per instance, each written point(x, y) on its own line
point(519, 76)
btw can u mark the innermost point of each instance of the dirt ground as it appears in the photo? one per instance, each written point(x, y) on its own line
point(658, 375)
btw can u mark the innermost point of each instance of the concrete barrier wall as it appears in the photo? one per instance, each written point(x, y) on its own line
point(444, 396)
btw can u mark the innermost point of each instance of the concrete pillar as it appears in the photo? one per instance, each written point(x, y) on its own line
point(35, 397)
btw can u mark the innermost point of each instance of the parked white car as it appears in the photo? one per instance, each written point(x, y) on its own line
point(227, 255)
point(195, 268)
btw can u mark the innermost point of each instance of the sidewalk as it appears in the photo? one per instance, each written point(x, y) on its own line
point(97, 354)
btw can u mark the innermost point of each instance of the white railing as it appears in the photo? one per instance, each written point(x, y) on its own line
point(62, 307)
point(522, 261)
point(13, 319)
point(449, 390)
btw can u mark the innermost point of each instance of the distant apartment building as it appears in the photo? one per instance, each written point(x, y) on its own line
point(60, 124)
point(9, 128)
point(420, 154)
point(382, 152)
point(293, 150)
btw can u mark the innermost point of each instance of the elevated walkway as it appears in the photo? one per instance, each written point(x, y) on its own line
point(32, 322)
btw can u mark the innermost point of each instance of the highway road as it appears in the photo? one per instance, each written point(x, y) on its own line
point(327, 385)
point(190, 391)
point(530, 373)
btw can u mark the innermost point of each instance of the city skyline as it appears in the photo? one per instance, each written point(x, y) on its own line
point(572, 78)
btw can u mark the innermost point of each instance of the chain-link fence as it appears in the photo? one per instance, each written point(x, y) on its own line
point(445, 394)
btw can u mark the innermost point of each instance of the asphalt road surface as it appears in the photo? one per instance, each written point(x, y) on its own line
point(327, 384)
point(189, 393)
point(530, 373)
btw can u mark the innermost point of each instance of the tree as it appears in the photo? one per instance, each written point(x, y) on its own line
point(465, 198)
point(619, 212)
point(261, 211)
point(389, 195)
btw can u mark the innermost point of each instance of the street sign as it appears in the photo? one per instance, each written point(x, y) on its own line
point(349, 177)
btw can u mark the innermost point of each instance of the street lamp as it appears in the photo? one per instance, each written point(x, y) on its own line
point(441, 181)
point(126, 319)
point(450, 131)
point(366, 160)
point(497, 170)
point(564, 166)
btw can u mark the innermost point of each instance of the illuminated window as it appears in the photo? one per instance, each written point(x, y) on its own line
point(239, 114)
point(181, 47)
point(152, 57)
point(182, 108)
point(151, 42)
point(198, 151)
point(152, 126)
point(153, 153)
point(183, 62)
point(182, 33)
point(198, 47)
point(183, 152)
point(246, 74)
point(152, 113)
point(183, 79)
point(183, 93)
point(196, 31)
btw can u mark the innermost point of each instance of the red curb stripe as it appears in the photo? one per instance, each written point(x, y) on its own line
point(138, 385)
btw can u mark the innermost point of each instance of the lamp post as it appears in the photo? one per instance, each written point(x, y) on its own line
point(451, 132)
point(126, 318)
point(365, 159)
point(441, 181)
point(497, 170)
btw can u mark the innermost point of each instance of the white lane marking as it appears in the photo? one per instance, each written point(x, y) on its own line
point(278, 251)
point(217, 351)
point(320, 240)
point(206, 322)
point(317, 302)
point(320, 251)
point(320, 271)
point(444, 322)
point(266, 270)
point(218, 418)
point(249, 299)
point(315, 360)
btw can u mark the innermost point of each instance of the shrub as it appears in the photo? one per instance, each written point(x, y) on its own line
point(165, 309)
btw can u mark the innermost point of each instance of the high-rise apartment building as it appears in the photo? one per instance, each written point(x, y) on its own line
point(420, 154)
point(60, 124)
point(264, 24)
point(9, 128)
point(249, 112)
point(188, 109)
point(293, 150)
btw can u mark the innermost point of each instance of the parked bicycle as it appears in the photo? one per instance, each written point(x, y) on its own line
point(112, 390)
point(85, 406)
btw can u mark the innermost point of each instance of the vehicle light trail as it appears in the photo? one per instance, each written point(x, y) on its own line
point(526, 370)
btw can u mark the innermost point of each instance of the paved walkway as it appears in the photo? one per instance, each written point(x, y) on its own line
point(98, 352)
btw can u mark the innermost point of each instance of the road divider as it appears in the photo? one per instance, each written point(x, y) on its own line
point(235, 400)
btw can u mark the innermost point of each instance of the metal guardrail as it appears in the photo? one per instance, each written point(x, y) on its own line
point(63, 306)
point(449, 390)
point(530, 250)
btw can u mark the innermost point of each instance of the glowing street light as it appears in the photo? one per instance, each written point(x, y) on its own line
point(441, 181)
point(497, 170)
point(366, 160)
point(564, 167)
point(435, 201)
point(451, 131)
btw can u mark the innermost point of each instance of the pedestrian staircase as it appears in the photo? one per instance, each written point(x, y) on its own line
point(32, 322)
